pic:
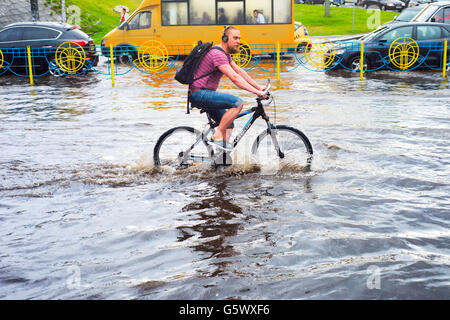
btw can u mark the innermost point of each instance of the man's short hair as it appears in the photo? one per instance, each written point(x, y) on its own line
point(225, 30)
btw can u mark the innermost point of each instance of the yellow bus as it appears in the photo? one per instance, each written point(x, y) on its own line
point(179, 24)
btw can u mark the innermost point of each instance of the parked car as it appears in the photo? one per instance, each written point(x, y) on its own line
point(434, 12)
point(378, 42)
point(332, 2)
point(301, 35)
point(407, 14)
point(43, 39)
point(314, 1)
point(384, 4)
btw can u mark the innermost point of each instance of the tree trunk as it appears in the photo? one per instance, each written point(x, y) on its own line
point(63, 11)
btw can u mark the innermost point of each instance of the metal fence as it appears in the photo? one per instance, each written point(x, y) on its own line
point(153, 57)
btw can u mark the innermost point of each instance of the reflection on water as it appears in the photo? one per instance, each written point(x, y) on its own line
point(215, 220)
point(85, 214)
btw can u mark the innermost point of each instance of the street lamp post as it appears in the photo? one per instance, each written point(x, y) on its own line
point(34, 10)
point(63, 11)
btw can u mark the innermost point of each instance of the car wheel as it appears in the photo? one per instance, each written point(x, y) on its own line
point(301, 47)
point(54, 69)
point(355, 63)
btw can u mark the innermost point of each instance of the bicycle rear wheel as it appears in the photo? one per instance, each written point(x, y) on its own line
point(181, 147)
point(295, 148)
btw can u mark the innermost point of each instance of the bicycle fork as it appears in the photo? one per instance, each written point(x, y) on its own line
point(274, 139)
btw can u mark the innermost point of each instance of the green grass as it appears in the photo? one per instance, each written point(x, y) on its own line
point(340, 20)
point(92, 11)
point(312, 16)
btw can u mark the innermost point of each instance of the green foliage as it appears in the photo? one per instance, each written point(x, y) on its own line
point(55, 5)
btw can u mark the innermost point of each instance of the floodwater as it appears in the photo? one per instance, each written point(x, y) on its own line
point(85, 215)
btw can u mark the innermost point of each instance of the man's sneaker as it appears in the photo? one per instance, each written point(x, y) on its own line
point(222, 144)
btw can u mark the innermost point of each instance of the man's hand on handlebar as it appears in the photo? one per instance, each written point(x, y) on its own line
point(264, 94)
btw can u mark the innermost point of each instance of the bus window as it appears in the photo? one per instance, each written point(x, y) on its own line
point(140, 21)
point(263, 6)
point(202, 11)
point(174, 13)
point(282, 11)
point(230, 12)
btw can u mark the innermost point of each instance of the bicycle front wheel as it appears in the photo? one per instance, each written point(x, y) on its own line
point(295, 149)
point(181, 147)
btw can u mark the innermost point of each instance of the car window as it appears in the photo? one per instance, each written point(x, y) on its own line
point(446, 33)
point(407, 14)
point(428, 32)
point(144, 20)
point(9, 34)
point(443, 15)
point(397, 33)
point(140, 21)
point(33, 33)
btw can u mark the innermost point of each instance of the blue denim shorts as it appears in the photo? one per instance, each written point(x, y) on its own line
point(215, 103)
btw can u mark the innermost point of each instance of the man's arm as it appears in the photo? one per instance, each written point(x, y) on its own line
point(245, 76)
point(242, 80)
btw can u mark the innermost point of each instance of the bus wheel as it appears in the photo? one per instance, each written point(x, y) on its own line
point(129, 56)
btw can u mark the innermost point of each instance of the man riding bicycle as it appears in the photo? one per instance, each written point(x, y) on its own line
point(222, 107)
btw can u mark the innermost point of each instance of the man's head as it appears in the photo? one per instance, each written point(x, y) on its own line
point(255, 13)
point(231, 39)
point(124, 10)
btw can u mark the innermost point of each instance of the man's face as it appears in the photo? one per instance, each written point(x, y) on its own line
point(234, 40)
point(255, 14)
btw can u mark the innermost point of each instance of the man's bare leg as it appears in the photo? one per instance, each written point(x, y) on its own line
point(225, 122)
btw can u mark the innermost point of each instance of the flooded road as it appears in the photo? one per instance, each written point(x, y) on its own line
point(85, 215)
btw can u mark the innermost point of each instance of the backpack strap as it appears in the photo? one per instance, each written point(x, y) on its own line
point(209, 73)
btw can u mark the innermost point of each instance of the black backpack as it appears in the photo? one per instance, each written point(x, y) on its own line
point(185, 74)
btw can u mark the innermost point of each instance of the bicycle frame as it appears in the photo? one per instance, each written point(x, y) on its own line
point(256, 112)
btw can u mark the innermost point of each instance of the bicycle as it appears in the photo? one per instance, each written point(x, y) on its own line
point(186, 146)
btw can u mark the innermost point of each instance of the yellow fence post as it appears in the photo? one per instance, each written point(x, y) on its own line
point(444, 59)
point(111, 54)
point(30, 66)
point(278, 63)
point(361, 63)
